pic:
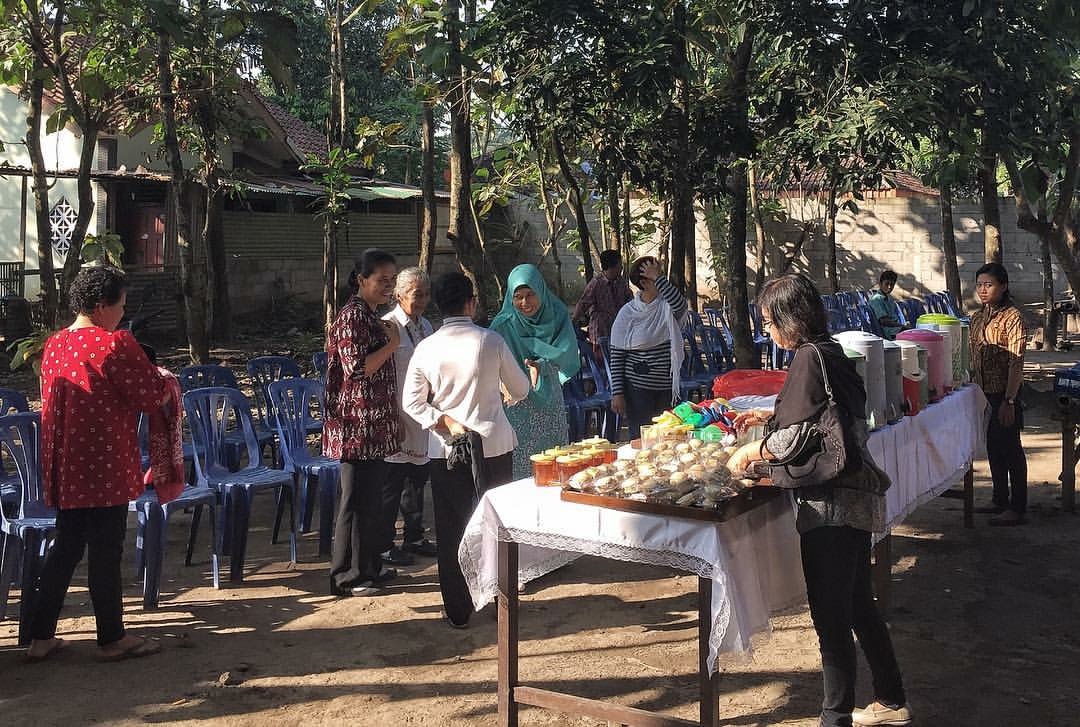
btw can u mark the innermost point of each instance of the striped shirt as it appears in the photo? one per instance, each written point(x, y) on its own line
point(649, 368)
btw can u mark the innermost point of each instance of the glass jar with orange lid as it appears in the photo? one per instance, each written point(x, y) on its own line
point(569, 465)
point(545, 471)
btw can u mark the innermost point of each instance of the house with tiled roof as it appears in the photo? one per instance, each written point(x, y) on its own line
point(273, 238)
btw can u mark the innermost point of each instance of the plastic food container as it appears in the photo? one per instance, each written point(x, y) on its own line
point(939, 360)
point(873, 348)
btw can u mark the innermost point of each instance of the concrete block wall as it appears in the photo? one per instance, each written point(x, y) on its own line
point(904, 235)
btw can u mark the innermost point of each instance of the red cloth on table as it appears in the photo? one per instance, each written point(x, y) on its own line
point(93, 384)
point(166, 471)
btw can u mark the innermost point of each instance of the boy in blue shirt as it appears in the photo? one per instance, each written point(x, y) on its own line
point(885, 309)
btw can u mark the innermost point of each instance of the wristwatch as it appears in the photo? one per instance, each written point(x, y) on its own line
point(1011, 402)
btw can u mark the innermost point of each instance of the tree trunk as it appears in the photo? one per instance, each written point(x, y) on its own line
point(664, 228)
point(192, 277)
point(46, 270)
point(87, 156)
point(948, 246)
point(628, 239)
point(746, 355)
point(461, 230)
point(615, 242)
point(683, 268)
point(578, 202)
point(555, 225)
point(330, 272)
point(989, 192)
point(1049, 329)
point(430, 223)
point(831, 270)
point(218, 314)
point(337, 132)
point(759, 231)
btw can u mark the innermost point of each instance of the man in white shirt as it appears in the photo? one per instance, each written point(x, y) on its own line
point(456, 384)
point(407, 470)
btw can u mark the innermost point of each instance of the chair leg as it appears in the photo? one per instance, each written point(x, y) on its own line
point(328, 486)
point(155, 554)
point(7, 571)
point(215, 546)
point(31, 566)
point(293, 518)
point(140, 543)
point(193, 532)
point(279, 512)
point(241, 516)
point(308, 493)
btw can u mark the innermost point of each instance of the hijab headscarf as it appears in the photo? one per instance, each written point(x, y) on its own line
point(547, 335)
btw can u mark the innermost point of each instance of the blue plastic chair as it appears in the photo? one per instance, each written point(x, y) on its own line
point(265, 370)
point(12, 402)
point(320, 360)
point(210, 413)
point(199, 377)
point(292, 400)
point(33, 524)
point(762, 342)
point(612, 421)
point(153, 517)
point(869, 320)
point(580, 402)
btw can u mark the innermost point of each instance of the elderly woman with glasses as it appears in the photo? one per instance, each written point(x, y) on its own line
point(408, 469)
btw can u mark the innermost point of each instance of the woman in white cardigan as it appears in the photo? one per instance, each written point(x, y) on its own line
point(457, 382)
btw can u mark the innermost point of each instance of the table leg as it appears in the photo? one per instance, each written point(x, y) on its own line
point(969, 498)
point(508, 633)
point(1068, 461)
point(882, 573)
point(710, 713)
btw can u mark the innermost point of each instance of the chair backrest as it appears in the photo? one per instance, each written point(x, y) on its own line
point(198, 377)
point(264, 370)
point(716, 350)
point(870, 322)
point(292, 400)
point(320, 360)
point(951, 306)
point(12, 402)
point(20, 439)
point(213, 413)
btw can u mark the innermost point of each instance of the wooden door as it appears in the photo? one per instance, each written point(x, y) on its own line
point(149, 236)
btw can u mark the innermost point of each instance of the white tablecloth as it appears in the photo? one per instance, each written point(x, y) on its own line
point(753, 560)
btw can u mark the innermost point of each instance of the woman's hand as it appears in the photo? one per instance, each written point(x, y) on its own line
point(650, 270)
point(745, 456)
point(618, 404)
point(750, 418)
point(1006, 414)
point(393, 334)
point(533, 367)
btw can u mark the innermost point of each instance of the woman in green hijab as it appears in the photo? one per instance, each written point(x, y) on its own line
point(537, 327)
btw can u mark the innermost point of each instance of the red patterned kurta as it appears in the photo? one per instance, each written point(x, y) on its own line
point(94, 382)
point(361, 412)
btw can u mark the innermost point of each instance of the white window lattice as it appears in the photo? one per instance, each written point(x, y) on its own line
point(62, 219)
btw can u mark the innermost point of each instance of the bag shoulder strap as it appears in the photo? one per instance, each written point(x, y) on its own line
point(824, 374)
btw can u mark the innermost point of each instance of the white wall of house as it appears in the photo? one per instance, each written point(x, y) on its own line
point(61, 152)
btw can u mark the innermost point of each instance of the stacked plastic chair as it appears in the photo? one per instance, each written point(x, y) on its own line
point(214, 413)
point(29, 528)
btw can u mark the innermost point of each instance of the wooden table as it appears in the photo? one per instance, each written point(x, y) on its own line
point(513, 693)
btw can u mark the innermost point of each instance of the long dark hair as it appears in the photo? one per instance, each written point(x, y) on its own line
point(998, 272)
point(795, 308)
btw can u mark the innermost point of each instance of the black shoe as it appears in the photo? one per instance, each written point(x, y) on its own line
point(453, 625)
point(397, 556)
point(990, 509)
point(385, 577)
point(421, 547)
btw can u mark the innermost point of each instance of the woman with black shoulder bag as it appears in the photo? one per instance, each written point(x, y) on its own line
point(816, 446)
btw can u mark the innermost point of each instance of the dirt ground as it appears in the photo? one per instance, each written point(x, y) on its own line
point(986, 624)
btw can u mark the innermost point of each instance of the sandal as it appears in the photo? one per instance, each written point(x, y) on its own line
point(57, 646)
point(144, 647)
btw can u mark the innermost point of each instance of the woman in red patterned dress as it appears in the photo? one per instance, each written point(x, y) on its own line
point(94, 382)
point(361, 424)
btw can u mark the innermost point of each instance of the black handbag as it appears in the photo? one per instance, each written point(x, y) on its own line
point(825, 450)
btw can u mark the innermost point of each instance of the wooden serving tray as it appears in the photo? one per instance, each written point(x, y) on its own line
point(743, 502)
